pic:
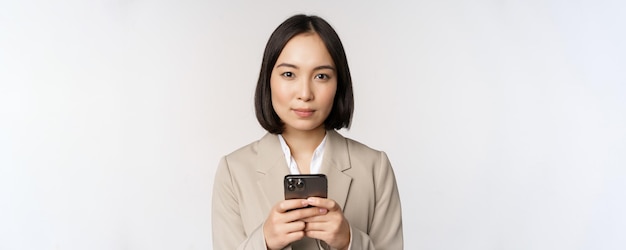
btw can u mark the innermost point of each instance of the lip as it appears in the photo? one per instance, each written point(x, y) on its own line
point(304, 113)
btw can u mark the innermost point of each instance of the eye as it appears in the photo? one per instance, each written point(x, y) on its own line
point(288, 74)
point(322, 76)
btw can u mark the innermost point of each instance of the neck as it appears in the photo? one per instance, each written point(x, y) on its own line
point(304, 141)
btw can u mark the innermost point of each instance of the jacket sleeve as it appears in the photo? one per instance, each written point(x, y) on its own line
point(385, 231)
point(227, 225)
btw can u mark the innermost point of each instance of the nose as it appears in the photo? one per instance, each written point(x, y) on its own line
point(305, 91)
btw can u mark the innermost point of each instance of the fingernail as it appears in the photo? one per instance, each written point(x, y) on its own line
point(323, 210)
point(310, 199)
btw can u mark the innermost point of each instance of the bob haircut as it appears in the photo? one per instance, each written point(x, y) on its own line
point(343, 103)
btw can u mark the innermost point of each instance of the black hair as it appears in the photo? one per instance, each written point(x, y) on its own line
point(343, 103)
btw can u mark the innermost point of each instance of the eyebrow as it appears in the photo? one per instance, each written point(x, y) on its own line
point(316, 68)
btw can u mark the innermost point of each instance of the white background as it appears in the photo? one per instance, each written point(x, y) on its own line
point(505, 121)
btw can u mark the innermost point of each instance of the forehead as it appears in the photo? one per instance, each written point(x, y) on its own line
point(305, 50)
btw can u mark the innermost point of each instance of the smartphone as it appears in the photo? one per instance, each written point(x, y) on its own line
point(303, 186)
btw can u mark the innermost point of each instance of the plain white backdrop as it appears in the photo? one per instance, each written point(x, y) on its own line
point(505, 121)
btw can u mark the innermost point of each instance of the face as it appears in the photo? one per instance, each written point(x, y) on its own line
point(303, 83)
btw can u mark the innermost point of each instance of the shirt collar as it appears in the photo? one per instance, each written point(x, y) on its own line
point(316, 160)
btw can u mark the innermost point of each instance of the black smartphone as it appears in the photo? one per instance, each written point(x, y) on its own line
point(303, 186)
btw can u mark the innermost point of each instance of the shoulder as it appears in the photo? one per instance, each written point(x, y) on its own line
point(250, 151)
point(254, 147)
point(358, 151)
point(358, 147)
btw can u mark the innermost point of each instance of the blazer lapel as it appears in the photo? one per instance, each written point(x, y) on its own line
point(271, 169)
point(336, 161)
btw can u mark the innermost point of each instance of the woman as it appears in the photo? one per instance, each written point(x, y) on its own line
point(303, 95)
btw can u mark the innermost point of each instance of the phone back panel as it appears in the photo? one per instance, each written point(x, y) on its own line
point(306, 185)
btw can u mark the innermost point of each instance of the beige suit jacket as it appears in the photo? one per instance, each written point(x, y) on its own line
point(249, 182)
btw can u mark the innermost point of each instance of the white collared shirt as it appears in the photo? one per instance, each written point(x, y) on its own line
point(316, 160)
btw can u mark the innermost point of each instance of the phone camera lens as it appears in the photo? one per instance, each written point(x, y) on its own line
point(300, 183)
point(290, 181)
point(291, 187)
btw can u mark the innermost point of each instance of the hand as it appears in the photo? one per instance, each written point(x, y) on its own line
point(331, 227)
point(285, 225)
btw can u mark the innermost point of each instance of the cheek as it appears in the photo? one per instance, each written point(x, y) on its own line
point(279, 96)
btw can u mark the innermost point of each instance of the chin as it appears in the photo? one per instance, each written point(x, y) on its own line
point(307, 127)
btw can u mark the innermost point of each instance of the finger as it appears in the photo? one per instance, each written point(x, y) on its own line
point(319, 211)
point(303, 213)
point(334, 238)
point(323, 203)
point(317, 218)
point(316, 226)
point(317, 234)
point(295, 226)
point(287, 205)
point(294, 236)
